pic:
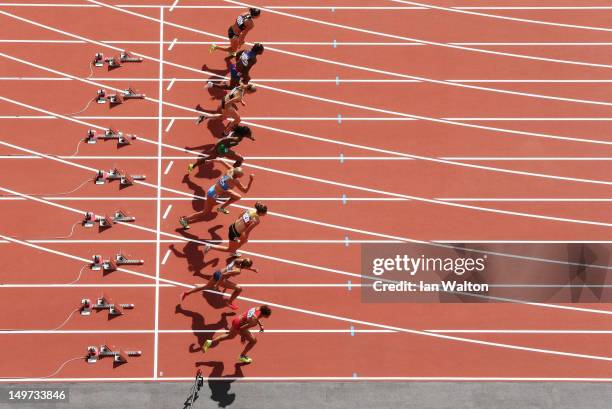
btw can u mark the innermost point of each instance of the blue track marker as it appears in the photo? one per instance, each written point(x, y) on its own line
point(350, 285)
point(343, 199)
point(339, 118)
point(346, 241)
point(354, 374)
point(335, 44)
point(337, 80)
point(341, 158)
point(352, 331)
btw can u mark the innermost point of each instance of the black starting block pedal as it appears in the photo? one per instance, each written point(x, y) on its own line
point(89, 219)
point(115, 99)
point(96, 262)
point(85, 307)
point(106, 221)
point(122, 260)
point(91, 137)
point(126, 57)
point(101, 177)
point(113, 62)
point(101, 97)
point(98, 60)
point(93, 354)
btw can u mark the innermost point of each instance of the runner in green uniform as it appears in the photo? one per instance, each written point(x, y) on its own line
point(222, 149)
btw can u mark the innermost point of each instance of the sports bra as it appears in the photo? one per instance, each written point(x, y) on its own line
point(237, 91)
point(241, 20)
point(223, 182)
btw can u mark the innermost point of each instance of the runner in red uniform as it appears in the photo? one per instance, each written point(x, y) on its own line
point(241, 326)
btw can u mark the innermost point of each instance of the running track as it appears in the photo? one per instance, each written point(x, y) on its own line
point(368, 116)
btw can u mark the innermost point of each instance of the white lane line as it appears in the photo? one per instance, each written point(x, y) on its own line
point(173, 5)
point(356, 321)
point(495, 16)
point(167, 212)
point(171, 46)
point(170, 84)
point(169, 124)
point(323, 80)
point(168, 167)
point(351, 330)
point(97, 285)
point(437, 120)
point(334, 158)
point(166, 257)
point(315, 241)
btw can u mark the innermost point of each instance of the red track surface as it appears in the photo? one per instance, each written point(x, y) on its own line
point(169, 346)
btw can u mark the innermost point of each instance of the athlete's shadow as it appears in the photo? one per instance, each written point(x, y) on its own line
point(220, 388)
point(194, 254)
point(201, 330)
point(199, 192)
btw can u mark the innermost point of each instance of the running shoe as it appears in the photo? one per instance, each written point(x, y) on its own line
point(244, 359)
point(231, 305)
point(212, 48)
point(222, 210)
point(207, 248)
point(232, 54)
point(190, 167)
point(201, 119)
point(209, 84)
point(206, 345)
point(183, 221)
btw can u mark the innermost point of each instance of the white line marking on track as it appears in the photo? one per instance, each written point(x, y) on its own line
point(167, 211)
point(170, 84)
point(171, 46)
point(160, 134)
point(169, 125)
point(173, 5)
point(166, 257)
point(168, 167)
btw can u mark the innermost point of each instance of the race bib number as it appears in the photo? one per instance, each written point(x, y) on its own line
point(251, 313)
point(246, 217)
point(244, 58)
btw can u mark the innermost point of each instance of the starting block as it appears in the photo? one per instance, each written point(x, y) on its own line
point(116, 174)
point(122, 139)
point(112, 62)
point(126, 57)
point(94, 354)
point(97, 263)
point(113, 309)
point(101, 97)
point(106, 221)
point(98, 60)
point(115, 99)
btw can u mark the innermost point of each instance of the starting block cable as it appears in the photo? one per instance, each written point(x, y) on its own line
point(81, 357)
point(53, 329)
point(80, 272)
point(86, 181)
point(69, 235)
